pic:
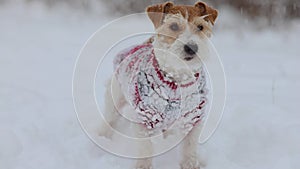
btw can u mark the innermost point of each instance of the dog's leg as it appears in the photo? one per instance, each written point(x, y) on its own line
point(145, 148)
point(190, 157)
point(113, 98)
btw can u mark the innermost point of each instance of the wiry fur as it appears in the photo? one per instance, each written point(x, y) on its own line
point(168, 48)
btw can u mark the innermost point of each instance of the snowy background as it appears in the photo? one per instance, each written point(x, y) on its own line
point(38, 126)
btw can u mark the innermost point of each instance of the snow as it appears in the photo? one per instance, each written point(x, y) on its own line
point(39, 128)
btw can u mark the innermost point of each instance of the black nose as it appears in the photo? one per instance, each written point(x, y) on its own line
point(191, 49)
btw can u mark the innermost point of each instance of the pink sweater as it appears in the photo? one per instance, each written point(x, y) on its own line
point(158, 100)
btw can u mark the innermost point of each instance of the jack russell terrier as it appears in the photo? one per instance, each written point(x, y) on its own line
point(164, 80)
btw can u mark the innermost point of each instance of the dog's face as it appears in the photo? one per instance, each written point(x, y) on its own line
point(182, 32)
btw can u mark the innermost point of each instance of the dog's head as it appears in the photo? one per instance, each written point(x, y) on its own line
point(182, 32)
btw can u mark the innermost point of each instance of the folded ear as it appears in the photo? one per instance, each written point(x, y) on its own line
point(156, 12)
point(204, 9)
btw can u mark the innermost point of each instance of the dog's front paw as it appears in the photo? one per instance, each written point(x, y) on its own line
point(167, 133)
point(143, 164)
point(191, 163)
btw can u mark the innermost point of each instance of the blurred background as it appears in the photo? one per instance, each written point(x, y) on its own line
point(272, 10)
point(258, 42)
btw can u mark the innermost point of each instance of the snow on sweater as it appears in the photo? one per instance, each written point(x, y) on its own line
point(158, 100)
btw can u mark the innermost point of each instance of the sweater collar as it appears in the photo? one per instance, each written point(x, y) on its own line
point(167, 80)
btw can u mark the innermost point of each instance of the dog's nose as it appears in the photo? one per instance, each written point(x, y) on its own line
point(191, 48)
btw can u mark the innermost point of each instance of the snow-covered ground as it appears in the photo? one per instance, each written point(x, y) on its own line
point(38, 124)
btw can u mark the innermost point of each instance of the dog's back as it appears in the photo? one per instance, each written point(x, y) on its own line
point(158, 100)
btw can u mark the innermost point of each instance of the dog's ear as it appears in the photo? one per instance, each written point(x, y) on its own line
point(156, 12)
point(211, 13)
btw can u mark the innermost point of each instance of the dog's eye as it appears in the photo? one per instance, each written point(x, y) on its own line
point(174, 27)
point(200, 27)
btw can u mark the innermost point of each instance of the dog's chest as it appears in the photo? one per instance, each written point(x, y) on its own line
point(157, 99)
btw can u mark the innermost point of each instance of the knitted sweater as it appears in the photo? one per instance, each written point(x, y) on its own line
point(158, 100)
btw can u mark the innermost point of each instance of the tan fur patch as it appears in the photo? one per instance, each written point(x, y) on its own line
point(157, 12)
point(168, 36)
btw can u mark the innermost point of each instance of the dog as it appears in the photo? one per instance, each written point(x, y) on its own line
point(164, 80)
